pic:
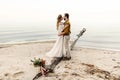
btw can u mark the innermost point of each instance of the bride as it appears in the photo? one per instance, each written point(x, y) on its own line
point(58, 49)
point(55, 55)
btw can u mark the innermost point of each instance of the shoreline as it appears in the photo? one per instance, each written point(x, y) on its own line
point(52, 41)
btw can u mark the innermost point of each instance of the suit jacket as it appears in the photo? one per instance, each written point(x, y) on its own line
point(66, 30)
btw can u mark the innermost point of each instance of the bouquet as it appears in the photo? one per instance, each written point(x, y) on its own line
point(41, 63)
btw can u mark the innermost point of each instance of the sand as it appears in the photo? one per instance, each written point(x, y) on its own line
point(86, 63)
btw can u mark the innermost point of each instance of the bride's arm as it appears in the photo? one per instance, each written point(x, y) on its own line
point(65, 30)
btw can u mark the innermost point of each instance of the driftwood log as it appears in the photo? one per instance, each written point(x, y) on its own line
point(78, 36)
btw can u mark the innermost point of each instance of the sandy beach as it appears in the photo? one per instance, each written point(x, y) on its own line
point(86, 63)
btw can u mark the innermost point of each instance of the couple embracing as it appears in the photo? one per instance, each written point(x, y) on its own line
point(61, 47)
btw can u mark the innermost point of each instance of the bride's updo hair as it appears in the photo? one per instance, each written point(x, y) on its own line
point(59, 18)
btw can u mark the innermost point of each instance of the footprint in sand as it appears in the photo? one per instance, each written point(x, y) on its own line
point(7, 74)
point(116, 66)
point(18, 74)
point(118, 62)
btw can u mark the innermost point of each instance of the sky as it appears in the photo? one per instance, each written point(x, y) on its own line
point(88, 13)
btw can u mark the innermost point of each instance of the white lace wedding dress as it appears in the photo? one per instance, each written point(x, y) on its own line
point(58, 49)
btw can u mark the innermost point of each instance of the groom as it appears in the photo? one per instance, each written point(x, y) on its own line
point(66, 33)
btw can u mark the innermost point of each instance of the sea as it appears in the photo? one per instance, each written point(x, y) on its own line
point(107, 38)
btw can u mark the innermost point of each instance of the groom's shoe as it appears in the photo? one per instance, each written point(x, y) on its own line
point(66, 58)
